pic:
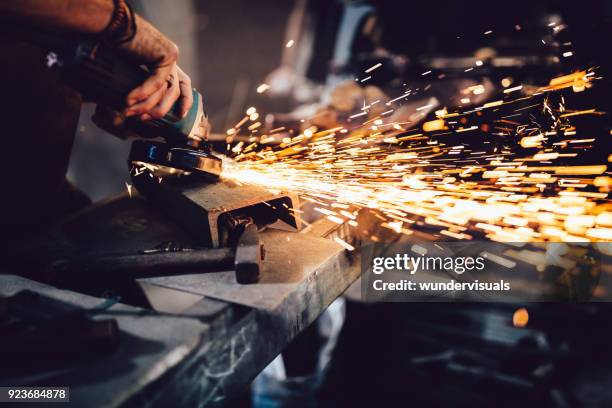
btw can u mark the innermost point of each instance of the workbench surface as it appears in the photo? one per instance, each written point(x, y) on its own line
point(204, 338)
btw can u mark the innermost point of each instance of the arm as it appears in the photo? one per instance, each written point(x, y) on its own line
point(167, 83)
point(90, 16)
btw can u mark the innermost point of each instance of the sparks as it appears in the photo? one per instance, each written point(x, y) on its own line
point(506, 181)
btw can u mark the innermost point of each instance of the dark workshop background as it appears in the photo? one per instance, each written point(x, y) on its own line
point(224, 49)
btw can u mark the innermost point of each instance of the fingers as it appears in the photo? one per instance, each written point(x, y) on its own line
point(186, 98)
point(158, 94)
point(167, 102)
point(150, 86)
point(144, 107)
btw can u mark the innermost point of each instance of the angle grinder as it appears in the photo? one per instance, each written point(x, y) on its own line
point(104, 76)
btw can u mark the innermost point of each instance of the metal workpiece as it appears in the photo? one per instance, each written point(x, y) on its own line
point(199, 206)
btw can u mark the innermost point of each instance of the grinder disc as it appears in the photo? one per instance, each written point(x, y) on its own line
point(182, 158)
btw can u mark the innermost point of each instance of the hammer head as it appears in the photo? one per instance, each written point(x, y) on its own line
point(250, 254)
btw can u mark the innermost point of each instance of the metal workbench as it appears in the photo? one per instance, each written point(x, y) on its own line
point(204, 337)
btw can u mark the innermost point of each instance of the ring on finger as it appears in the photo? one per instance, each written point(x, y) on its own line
point(170, 80)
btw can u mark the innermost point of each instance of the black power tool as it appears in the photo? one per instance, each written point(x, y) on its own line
point(105, 77)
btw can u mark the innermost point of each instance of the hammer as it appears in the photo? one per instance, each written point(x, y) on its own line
point(246, 259)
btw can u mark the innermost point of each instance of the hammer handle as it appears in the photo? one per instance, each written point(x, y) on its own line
point(147, 265)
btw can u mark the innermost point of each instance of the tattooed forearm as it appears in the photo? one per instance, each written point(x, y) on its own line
point(149, 46)
point(146, 45)
point(87, 16)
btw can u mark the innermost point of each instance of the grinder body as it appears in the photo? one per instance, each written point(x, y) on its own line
point(106, 77)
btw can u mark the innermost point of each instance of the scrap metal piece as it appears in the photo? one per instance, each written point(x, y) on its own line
point(38, 322)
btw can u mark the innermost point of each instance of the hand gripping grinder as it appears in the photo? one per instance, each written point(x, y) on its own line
point(104, 76)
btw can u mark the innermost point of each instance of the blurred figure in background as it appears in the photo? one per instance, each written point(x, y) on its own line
point(441, 53)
